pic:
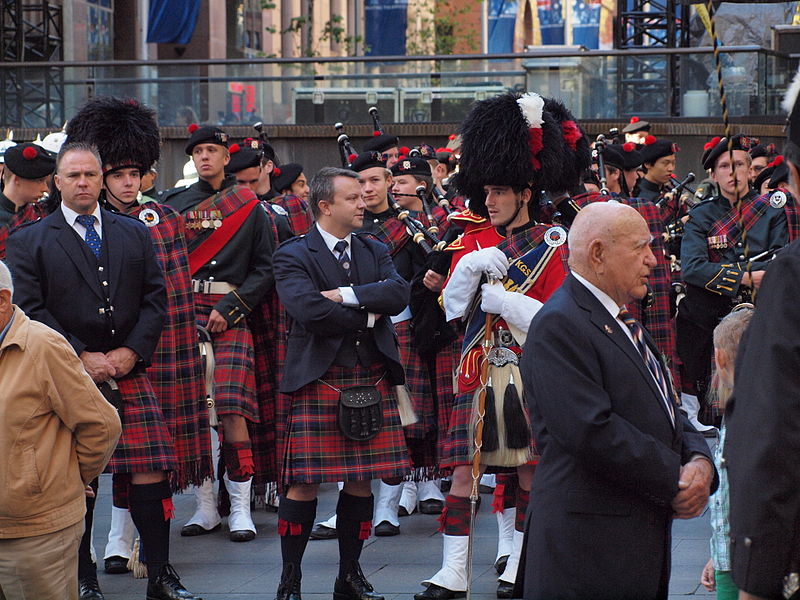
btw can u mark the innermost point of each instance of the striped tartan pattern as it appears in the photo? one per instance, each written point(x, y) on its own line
point(392, 232)
point(730, 226)
point(317, 452)
point(657, 319)
point(176, 372)
point(300, 217)
point(234, 375)
point(145, 444)
point(445, 365)
point(30, 212)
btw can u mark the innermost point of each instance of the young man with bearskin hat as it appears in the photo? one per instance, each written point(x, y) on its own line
point(127, 137)
point(342, 370)
point(512, 149)
point(724, 255)
point(230, 259)
point(114, 320)
point(26, 179)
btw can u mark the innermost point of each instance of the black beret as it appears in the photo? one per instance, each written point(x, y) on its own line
point(738, 142)
point(367, 160)
point(381, 143)
point(623, 156)
point(413, 165)
point(653, 149)
point(779, 175)
point(760, 150)
point(635, 125)
point(206, 134)
point(30, 161)
point(285, 175)
point(242, 157)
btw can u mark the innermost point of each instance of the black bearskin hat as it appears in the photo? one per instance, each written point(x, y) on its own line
point(509, 140)
point(577, 154)
point(124, 131)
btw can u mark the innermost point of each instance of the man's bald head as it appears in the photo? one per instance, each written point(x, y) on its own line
point(609, 245)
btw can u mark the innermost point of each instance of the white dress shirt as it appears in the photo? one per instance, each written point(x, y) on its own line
point(71, 217)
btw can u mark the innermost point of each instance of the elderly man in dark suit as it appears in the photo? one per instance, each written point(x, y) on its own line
point(339, 288)
point(92, 275)
point(619, 460)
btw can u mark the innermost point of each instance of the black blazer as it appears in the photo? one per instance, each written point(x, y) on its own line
point(55, 283)
point(304, 266)
point(600, 515)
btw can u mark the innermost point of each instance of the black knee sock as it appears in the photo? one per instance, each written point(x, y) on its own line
point(86, 568)
point(151, 510)
point(295, 520)
point(353, 524)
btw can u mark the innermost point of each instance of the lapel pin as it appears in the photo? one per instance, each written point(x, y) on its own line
point(608, 329)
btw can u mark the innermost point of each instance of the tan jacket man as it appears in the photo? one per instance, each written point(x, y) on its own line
point(57, 434)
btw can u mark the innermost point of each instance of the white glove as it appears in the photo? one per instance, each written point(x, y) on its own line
point(491, 261)
point(492, 297)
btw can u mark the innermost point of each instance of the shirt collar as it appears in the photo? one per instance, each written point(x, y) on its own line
point(604, 299)
point(71, 216)
point(330, 239)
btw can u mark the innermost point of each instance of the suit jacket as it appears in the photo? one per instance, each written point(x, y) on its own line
point(600, 516)
point(56, 284)
point(762, 444)
point(304, 266)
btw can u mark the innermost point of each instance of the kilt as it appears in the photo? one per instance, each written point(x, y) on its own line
point(234, 359)
point(444, 369)
point(145, 444)
point(421, 436)
point(317, 452)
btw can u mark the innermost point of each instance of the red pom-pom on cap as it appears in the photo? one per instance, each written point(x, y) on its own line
point(402, 157)
point(352, 157)
point(193, 127)
point(634, 119)
point(376, 133)
point(451, 137)
point(714, 141)
point(777, 162)
point(276, 172)
point(234, 148)
point(404, 150)
point(629, 146)
point(649, 140)
point(29, 153)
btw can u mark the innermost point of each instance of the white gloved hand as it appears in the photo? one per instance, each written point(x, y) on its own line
point(492, 298)
point(491, 261)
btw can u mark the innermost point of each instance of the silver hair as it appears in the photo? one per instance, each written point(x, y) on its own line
point(5, 278)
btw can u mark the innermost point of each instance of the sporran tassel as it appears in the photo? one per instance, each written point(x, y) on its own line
point(404, 406)
point(491, 439)
point(518, 430)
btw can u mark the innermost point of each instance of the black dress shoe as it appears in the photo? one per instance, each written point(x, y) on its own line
point(354, 586)
point(321, 532)
point(289, 586)
point(116, 565)
point(195, 529)
point(431, 507)
point(500, 564)
point(89, 589)
point(242, 535)
point(437, 592)
point(505, 589)
point(168, 586)
point(386, 529)
point(402, 512)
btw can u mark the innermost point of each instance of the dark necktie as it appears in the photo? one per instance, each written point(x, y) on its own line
point(94, 241)
point(649, 358)
point(344, 257)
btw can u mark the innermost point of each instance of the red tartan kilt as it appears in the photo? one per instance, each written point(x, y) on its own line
point(145, 444)
point(234, 359)
point(317, 452)
point(457, 448)
point(446, 365)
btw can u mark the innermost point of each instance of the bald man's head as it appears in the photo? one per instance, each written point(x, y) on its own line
point(609, 245)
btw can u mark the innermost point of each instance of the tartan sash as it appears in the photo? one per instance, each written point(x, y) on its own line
point(725, 232)
point(392, 232)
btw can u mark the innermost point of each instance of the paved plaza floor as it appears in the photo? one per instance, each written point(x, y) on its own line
point(219, 569)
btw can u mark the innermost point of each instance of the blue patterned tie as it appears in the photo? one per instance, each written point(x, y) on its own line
point(649, 358)
point(94, 241)
point(344, 257)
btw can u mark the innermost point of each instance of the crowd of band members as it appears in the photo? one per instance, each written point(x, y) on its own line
point(293, 317)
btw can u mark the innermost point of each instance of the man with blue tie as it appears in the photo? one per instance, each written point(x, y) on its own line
point(618, 461)
point(92, 275)
point(342, 368)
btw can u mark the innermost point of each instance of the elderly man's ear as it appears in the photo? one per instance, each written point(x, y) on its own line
point(596, 256)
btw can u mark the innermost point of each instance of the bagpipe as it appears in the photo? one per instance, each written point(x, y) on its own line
point(425, 237)
point(376, 120)
point(673, 231)
point(597, 154)
point(267, 151)
point(347, 151)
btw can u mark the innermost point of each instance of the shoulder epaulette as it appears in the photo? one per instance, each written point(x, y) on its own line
point(456, 244)
point(468, 216)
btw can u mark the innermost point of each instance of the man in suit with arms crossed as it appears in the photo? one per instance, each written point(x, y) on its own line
point(619, 460)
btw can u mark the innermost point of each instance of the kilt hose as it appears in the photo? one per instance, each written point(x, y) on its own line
point(145, 444)
point(317, 452)
point(234, 359)
point(421, 436)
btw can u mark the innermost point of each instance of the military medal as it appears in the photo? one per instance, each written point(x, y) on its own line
point(717, 242)
point(777, 200)
point(205, 224)
point(149, 217)
point(555, 236)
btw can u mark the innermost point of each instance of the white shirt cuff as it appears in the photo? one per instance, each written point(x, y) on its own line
point(370, 320)
point(349, 297)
